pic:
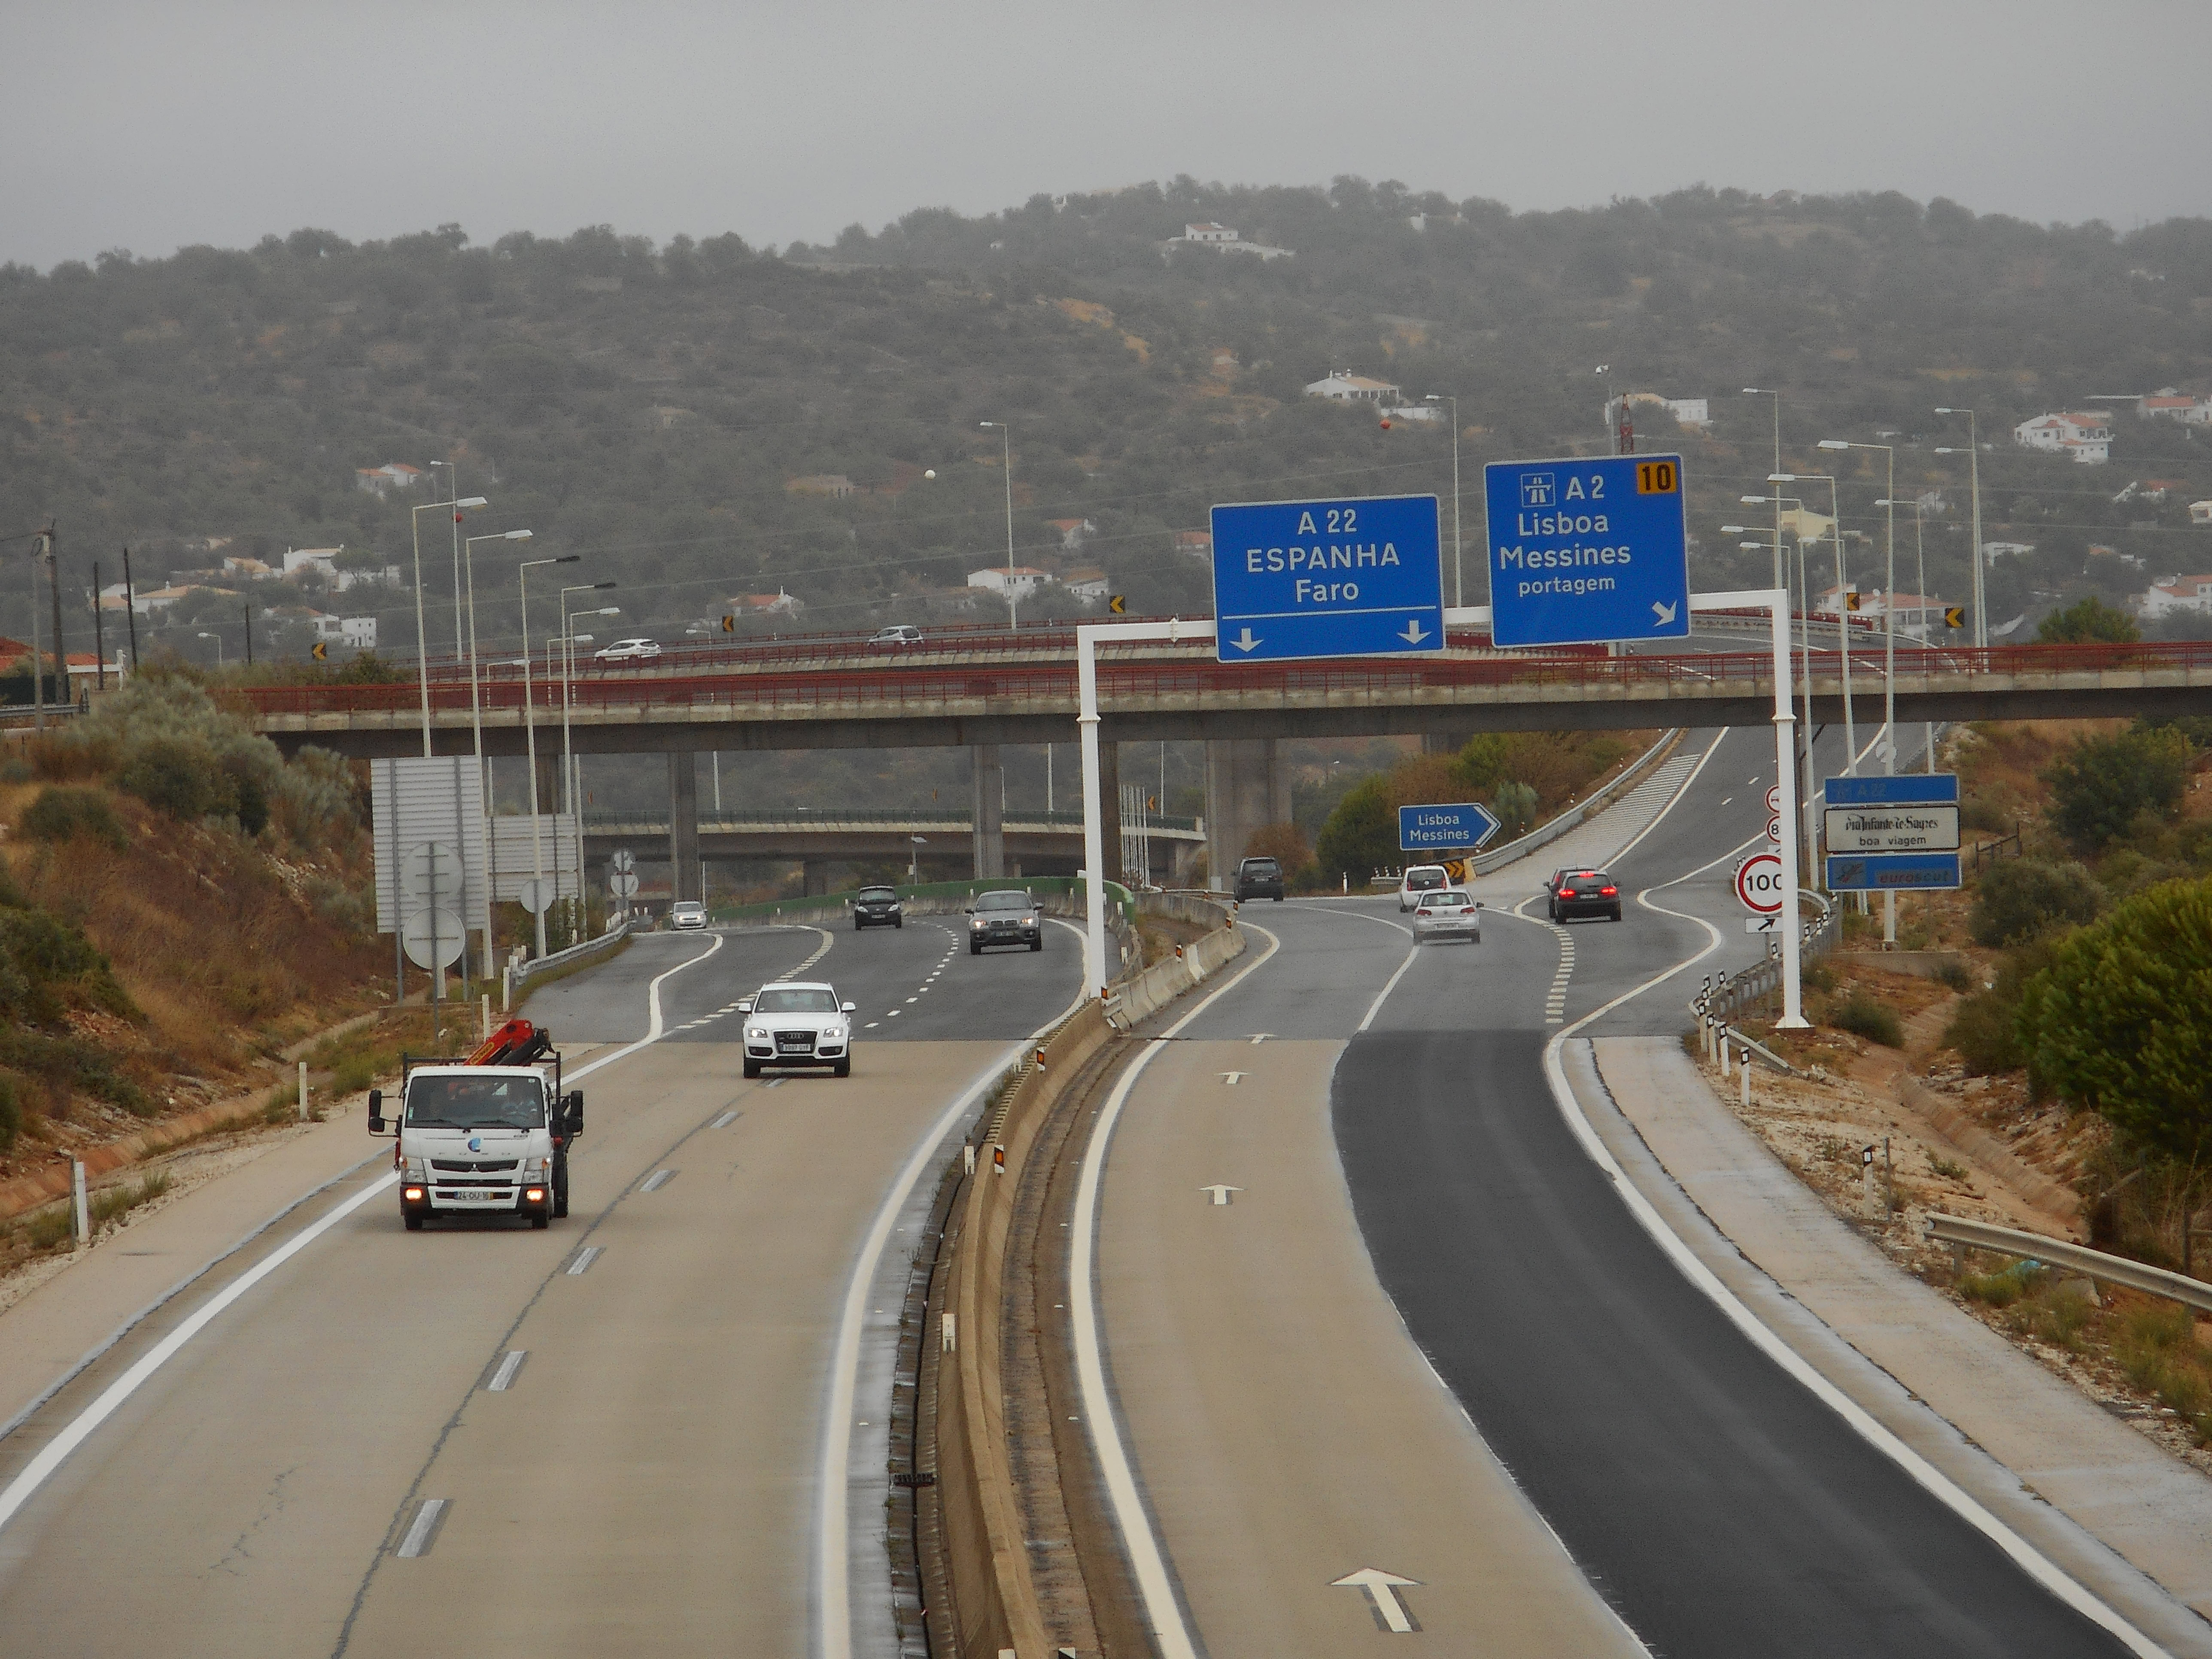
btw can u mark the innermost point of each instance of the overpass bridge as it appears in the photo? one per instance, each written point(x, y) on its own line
point(990, 689)
point(1033, 844)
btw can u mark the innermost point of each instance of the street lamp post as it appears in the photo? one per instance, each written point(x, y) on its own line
point(422, 639)
point(1974, 473)
point(1459, 580)
point(476, 709)
point(1920, 559)
point(1006, 466)
point(217, 638)
point(1889, 648)
point(1781, 562)
point(568, 749)
point(530, 741)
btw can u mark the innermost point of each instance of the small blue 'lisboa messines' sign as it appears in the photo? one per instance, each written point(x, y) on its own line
point(1453, 828)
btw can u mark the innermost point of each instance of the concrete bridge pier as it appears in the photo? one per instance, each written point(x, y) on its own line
point(548, 781)
point(990, 835)
point(1246, 786)
point(684, 825)
point(1110, 799)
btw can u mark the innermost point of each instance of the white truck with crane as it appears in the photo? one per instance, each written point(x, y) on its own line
point(487, 1134)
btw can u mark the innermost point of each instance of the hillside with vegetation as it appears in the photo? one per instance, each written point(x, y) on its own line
point(705, 420)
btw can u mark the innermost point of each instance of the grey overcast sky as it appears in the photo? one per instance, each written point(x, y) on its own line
point(151, 127)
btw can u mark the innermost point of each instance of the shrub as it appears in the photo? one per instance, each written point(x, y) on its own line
point(2019, 898)
point(1984, 1034)
point(2102, 785)
point(1361, 835)
point(1515, 806)
point(1864, 1016)
point(62, 812)
point(11, 1113)
point(178, 778)
point(2088, 622)
point(2119, 1022)
point(1286, 843)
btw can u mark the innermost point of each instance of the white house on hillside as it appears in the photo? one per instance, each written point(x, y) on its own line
point(1341, 386)
point(393, 475)
point(2087, 437)
point(1020, 582)
point(2175, 594)
point(1226, 240)
point(2171, 404)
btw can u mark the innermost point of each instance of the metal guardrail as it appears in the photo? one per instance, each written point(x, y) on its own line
point(1963, 1234)
point(1574, 816)
point(1723, 999)
point(522, 972)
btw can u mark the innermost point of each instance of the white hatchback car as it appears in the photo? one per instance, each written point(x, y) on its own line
point(1449, 915)
point(1420, 879)
point(798, 1023)
point(628, 650)
point(687, 913)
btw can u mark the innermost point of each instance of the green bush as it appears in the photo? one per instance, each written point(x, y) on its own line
point(62, 812)
point(1361, 835)
point(2088, 622)
point(2017, 899)
point(11, 1113)
point(1984, 1034)
point(178, 778)
point(1514, 805)
point(1864, 1016)
point(2121, 1020)
point(2101, 787)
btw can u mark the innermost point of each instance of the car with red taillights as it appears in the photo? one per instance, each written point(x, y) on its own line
point(1450, 914)
point(1583, 893)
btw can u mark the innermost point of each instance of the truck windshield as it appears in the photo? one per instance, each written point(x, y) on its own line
point(476, 1103)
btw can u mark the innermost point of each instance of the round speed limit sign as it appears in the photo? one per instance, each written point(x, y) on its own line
point(1774, 797)
point(1758, 883)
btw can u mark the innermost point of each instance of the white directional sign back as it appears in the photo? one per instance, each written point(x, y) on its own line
point(1354, 578)
point(1588, 550)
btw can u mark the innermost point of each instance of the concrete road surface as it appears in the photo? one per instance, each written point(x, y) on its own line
point(606, 1437)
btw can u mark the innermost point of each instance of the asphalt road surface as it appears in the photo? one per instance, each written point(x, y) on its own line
point(1618, 1457)
point(606, 1437)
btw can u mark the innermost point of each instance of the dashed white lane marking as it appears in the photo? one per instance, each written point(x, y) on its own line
point(871, 1025)
point(503, 1378)
point(775, 1082)
point(1555, 999)
point(657, 1180)
point(425, 1529)
point(585, 1257)
point(723, 1122)
point(894, 1014)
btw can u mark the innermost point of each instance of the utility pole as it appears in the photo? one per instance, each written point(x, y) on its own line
point(246, 610)
point(54, 590)
point(99, 634)
point(130, 608)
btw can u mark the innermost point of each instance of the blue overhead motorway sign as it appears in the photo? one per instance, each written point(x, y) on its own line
point(1356, 578)
point(1585, 550)
point(1453, 828)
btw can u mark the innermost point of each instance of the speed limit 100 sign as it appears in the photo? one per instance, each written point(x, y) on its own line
point(1758, 883)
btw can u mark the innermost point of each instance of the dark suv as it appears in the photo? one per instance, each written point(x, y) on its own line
point(878, 907)
point(1584, 893)
point(1006, 917)
point(1260, 879)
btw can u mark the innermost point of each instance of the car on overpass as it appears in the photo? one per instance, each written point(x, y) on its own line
point(1008, 916)
point(896, 634)
point(798, 1023)
point(628, 651)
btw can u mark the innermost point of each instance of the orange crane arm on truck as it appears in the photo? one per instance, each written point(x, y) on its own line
point(517, 1043)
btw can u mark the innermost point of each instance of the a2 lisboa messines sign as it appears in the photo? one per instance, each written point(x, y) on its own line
point(1589, 550)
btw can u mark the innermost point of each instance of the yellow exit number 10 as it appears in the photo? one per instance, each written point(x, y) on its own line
point(1657, 479)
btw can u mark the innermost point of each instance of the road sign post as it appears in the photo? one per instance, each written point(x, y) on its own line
point(1356, 578)
point(1587, 550)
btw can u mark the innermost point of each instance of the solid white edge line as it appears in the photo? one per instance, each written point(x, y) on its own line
point(80, 1428)
point(1931, 1479)
point(833, 1590)
point(1162, 1607)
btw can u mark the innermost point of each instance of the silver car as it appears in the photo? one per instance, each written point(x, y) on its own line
point(1447, 914)
point(687, 913)
point(798, 1023)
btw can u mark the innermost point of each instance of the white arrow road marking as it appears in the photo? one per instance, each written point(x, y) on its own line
point(1414, 633)
point(1260, 1037)
point(1662, 614)
point(1220, 1194)
point(1244, 641)
point(1232, 1079)
point(1381, 1589)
